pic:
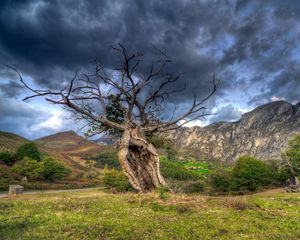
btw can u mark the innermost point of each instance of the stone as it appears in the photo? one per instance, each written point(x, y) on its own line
point(24, 179)
point(15, 190)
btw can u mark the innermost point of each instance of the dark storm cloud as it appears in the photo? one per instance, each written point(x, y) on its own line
point(243, 42)
point(46, 38)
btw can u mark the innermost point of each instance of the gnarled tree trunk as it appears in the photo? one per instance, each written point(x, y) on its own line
point(139, 160)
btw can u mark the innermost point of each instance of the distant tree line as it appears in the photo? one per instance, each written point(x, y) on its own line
point(28, 162)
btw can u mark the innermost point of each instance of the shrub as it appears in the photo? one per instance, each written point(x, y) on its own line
point(116, 180)
point(165, 145)
point(8, 158)
point(54, 170)
point(29, 167)
point(7, 177)
point(91, 174)
point(193, 187)
point(176, 171)
point(163, 192)
point(279, 172)
point(283, 174)
point(221, 180)
point(293, 152)
point(28, 150)
point(80, 175)
point(250, 174)
point(108, 159)
point(292, 156)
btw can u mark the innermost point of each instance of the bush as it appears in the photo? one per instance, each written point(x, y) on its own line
point(7, 177)
point(29, 167)
point(221, 180)
point(279, 172)
point(176, 171)
point(116, 180)
point(163, 192)
point(28, 150)
point(292, 156)
point(107, 159)
point(54, 170)
point(165, 146)
point(193, 187)
point(250, 174)
point(8, 158)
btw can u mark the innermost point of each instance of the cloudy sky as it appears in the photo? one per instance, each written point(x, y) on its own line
point(253, 46)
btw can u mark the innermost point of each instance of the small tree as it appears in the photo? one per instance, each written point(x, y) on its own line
point(29, 167)
point(28, 150)
point(116, 180)
point(129, 100)
point(250, 174)
point(221, 179)
point(8, 157)
point(291, 160)
point(54, 170)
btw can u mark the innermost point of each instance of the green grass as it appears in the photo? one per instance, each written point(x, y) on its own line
point(199, 167)
point(99, 215)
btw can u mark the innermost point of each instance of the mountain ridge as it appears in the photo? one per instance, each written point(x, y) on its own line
point(262, 133)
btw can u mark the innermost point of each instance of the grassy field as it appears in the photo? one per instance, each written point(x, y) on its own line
point(99, 215)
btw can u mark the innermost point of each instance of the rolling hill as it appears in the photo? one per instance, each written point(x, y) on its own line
point(71, 147)
point(66, 147)
point(11, 141)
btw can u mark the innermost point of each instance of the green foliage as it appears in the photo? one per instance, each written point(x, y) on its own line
point(279, 173)
point(221, 179)
point(165, 145)
point(28, 150)
point(7, 177)
point(247, 173)
point(53, 170)
point(193, 186)
point(116, 180)
point(8, 158)
point(250, 174)
point(163, 192)
point(177, 171)
point(30, 168)
point(115, 113)
point(293, 152)
point(108, 159)
point(293, 155)
point(48, 169)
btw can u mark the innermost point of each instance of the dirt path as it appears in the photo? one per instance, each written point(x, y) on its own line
point(55, 191)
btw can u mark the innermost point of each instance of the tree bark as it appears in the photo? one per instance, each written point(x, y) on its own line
point(139, 160)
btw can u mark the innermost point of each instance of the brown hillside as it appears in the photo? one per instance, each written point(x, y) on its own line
point(11, 141)
point(70, 143)
point(70, 146)
point(66, 147)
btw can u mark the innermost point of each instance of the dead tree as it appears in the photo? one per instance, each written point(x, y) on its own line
point(142, 96)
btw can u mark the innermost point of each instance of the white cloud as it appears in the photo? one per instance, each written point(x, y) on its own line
point(275, 98)
point(200, 123)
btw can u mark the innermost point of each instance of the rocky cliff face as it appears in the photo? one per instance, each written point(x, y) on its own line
point(261, 133)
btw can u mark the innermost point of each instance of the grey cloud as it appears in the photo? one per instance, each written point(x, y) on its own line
point(226, 113)
point(48, 40)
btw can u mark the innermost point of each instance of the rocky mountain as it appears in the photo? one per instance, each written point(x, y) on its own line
point(262, 133)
